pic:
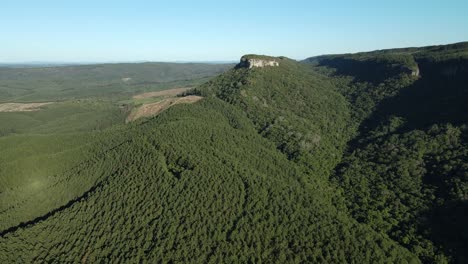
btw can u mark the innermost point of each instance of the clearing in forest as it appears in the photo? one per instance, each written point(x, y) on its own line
point(22, 107)
point(170, 92)
point(152, 109)
point(153, 103)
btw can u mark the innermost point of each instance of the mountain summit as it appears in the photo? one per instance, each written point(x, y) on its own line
point(337, 159)
point(251, 61)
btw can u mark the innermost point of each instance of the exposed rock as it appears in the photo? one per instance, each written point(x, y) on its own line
point(251, 62)
point(410, 70)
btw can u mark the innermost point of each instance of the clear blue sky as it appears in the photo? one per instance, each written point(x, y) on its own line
point(176, 30)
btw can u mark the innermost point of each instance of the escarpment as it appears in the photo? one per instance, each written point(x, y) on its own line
point(251, 61)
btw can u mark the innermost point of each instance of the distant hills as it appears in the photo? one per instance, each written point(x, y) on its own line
point(354, 158)
point(60, 64)
point(99, 80)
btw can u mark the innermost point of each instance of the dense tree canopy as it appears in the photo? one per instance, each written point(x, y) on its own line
point(405, 173)
point(358, 158)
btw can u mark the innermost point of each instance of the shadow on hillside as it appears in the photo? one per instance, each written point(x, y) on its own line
point(439, 96)
point(371, 71)
point(446, 226)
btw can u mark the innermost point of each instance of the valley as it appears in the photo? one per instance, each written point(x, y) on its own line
point(349, 158)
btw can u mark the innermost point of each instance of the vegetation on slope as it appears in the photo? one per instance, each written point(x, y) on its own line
point(215, 192)
point(43, 151)
point(42, 172)
point(405, 173)
point(297, 109)
point(345, 159)
point(64, 117)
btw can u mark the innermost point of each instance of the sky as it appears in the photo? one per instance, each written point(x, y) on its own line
point(177, 30)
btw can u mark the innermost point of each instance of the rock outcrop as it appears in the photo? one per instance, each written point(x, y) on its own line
point(260, 62)
point(414, 71)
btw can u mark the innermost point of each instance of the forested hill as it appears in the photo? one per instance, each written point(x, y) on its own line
point(406, 171)
point(355, 158)
point(231, 178)
point(294, 107)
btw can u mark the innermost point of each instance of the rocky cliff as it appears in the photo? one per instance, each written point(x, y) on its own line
point(257, 61)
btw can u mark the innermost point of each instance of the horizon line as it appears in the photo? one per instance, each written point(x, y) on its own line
point(95, 62)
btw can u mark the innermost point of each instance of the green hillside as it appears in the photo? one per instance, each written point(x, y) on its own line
point(405, 173)
point(355, 158)
point(44, 149)
point(64, 117)
point(215, 192)
point(292, 106)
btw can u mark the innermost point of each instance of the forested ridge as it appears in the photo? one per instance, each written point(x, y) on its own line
point(356, 158)
point(405, 173)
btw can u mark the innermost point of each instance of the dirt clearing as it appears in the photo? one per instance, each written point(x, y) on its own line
point(170, 92)
point(153, 109)
point(19, 107)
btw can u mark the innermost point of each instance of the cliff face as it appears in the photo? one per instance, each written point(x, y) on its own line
point(251, 62)
point(414, 71)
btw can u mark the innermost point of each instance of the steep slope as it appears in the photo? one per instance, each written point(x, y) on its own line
point(292, 106)
point(405, 173)
point(357, 158)
point(216, 181)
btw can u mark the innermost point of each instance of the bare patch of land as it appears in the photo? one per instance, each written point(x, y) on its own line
point(170, 92)
point(19, 107)
point(153, 109)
